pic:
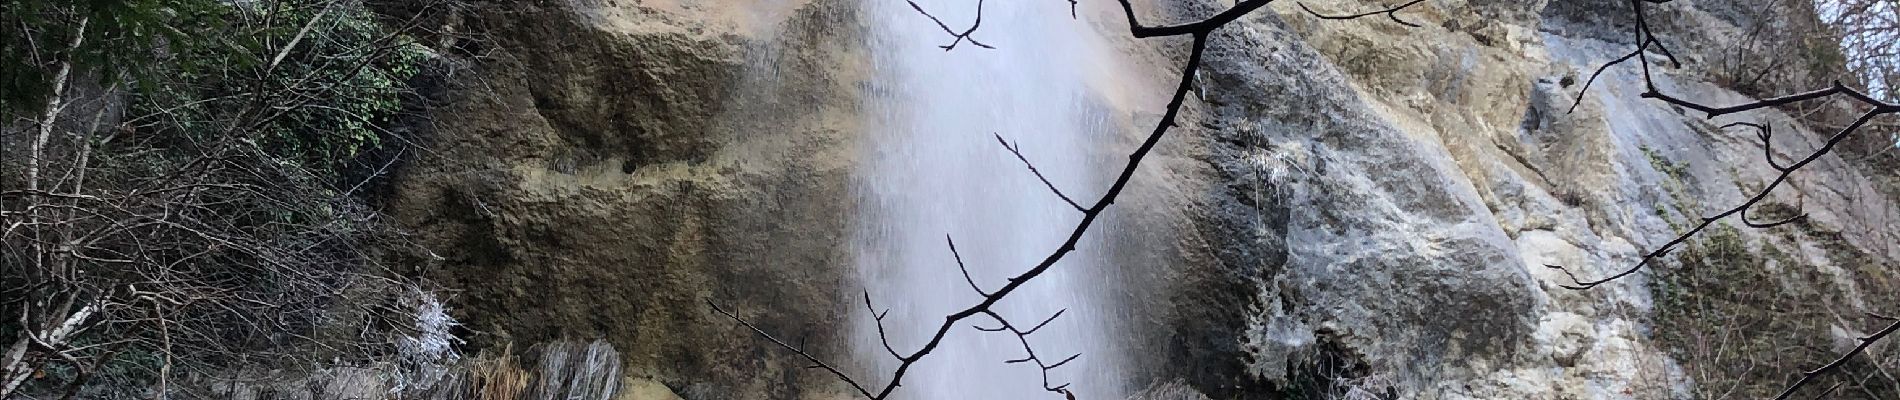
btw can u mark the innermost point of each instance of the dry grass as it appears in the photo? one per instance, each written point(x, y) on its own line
point(553, 371)
point(486, 378)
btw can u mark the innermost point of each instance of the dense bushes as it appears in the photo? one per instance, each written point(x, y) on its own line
point(178, 193)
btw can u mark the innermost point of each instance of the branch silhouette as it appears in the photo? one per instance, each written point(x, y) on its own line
point(1873, 108)
point(1865, 341)
point(1645, 40)
point(1392, 13)
point(958, 37)
point(1017, 150)
point(1199, 32)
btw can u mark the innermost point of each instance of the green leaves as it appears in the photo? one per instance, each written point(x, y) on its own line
point(324, 103)
point(347, 76)
point(120, 39)
point(202, 69)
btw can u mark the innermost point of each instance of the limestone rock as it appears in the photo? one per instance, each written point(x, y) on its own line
point(1351, 207)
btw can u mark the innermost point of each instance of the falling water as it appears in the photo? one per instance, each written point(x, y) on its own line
point(932, 167)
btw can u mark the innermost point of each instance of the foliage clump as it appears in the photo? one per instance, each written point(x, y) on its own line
point(180, 191)
point(1744, 321)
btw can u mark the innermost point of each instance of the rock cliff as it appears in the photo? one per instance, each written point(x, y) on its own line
point(1353, 208)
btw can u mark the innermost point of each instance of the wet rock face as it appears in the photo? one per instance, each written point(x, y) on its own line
point(1378, 247)
point(595, 179)
point(1349, 206)
point(1415, 182)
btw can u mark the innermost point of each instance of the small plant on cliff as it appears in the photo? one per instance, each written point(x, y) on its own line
point(1733, 316)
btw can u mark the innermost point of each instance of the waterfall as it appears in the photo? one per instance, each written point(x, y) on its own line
point(931, 167)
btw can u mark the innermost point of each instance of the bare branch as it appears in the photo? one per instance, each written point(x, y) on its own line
point(1197, 28)
point(957, 37)
point(1710, 220)
point(1045, 322)
point(1830, 390)
point(1029, 351)
point(1594, 75)
point(1645, 39)
point(1865, 341)
point(881, 335)
point(1392, 13)
point(801, 352)
point(961, 267)
point(1199, 31)
point(1766, 133)
point(1013, 149)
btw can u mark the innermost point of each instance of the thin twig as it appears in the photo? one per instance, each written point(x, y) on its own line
point(1646, 39)
point(1392, 13)
point(1022, 336)
point(1199, 31)
point(1706, 222)
point(1013, 149)
point(801, 352)
point(1864, 343)
point(960, 267)
point(957, 37)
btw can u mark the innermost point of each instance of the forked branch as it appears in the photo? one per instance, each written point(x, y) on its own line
point(815, 362)
point(957, 37)
point(1017, 150)
point(1874, 108)
point(1392, 13)
point(1709, 221)
point(1199, 31)
point(1646, 40)
point(1022, 336)
point(1865, 341)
